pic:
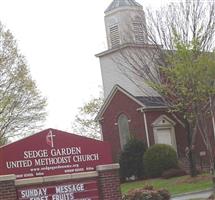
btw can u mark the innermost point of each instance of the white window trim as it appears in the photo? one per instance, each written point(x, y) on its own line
point(157, 126)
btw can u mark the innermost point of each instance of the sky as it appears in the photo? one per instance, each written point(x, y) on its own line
point(59, 39)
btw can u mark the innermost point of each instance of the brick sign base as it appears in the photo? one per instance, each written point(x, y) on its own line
point(102, 184)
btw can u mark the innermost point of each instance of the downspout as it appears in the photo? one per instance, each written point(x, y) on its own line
point(213, 122)
point(146, 128)
point(100, 127)
point(212, 114)
point(101, 132)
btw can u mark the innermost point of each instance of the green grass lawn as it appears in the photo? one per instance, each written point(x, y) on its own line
point(175, 186)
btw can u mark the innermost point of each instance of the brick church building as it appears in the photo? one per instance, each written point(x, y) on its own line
point(127, 110)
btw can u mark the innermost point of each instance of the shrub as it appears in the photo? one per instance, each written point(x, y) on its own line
point(211, 197)
point(173, 173)
point(147, 194)
point(164, 193)
point(131, 159)
point(159, 158)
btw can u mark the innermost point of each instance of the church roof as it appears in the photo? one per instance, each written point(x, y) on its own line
point(146, 102)
point(120, 3)
point(151, 101)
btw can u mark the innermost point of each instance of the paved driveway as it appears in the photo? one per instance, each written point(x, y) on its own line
point(196, 195)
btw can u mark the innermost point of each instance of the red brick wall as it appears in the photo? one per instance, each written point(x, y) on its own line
point(107, 177)
point(7, 190)
point(180, 134)
point(109, 185)
point(121, 104)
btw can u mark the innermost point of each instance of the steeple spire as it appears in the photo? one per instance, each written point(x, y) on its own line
point(126, 32)
point(125, 23)
point(121, 3)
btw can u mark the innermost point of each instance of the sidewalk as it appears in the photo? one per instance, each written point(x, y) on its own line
point(194, 195)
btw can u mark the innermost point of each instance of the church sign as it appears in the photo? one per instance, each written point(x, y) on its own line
point(80, 190)
point(53, 152)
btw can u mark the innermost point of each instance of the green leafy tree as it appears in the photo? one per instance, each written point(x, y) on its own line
point(3, 141)
point(84, 123)
point(180, 36)
point(187, 85)
point(22, 108)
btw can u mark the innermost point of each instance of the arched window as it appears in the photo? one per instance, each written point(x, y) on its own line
point(123, 125)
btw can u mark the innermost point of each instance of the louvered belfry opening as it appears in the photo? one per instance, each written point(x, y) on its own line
point(138, 31)
point(114, 36)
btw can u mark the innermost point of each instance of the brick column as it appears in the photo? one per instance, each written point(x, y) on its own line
point(109, 182)
point(7, 187)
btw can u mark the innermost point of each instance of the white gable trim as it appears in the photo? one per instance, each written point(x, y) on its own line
point(109, 98)
point(163, 117)
point(158, 127)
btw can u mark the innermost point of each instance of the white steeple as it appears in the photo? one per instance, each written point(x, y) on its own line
point(126, 32)
point(125, 23)
point(120, 3)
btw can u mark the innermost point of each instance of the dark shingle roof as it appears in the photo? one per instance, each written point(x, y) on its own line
point(151, 101)
point(120, 3)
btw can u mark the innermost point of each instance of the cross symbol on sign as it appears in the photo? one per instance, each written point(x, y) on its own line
point(50, 138)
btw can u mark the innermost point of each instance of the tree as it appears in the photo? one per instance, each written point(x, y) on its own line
point(3, 141)
point(180, 34)
point(188, 85)
point(22, 108)
point(84, 123)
